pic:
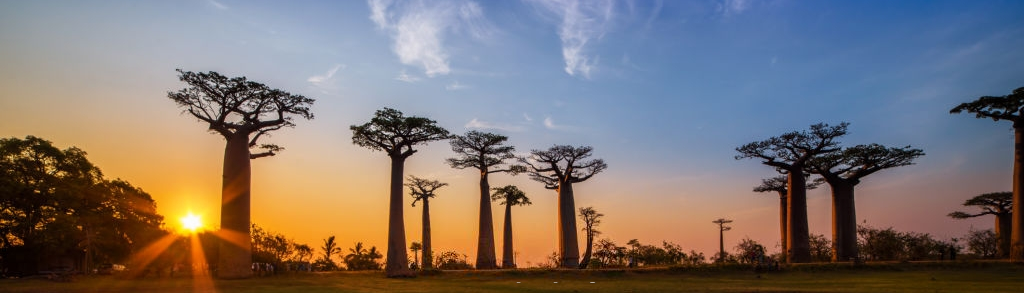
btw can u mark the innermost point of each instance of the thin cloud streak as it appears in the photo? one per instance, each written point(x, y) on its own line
point(454, 86)
point(581, 22)
point(418, 29)
point(319, 79)
point(218, 5)
point(477, 124)
point(403, 76)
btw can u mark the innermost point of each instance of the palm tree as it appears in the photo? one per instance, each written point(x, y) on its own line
point(509, 196)
point(391, 132)
point(486, 153)
point(423, 189)
point(330, 248)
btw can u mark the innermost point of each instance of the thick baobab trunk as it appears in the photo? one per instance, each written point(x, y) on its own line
point(235, 257)
point(568, 245)
point(1017, 226)
point(428, 256)
point(721, 243)
point(1003, 228)
point(782, 222)
point(397, 262)
point(798, 238)
point(485, 259)
point(507, 258)
point(844, 221)
point(586, 253)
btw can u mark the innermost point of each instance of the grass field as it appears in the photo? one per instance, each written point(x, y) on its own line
point(941, 277)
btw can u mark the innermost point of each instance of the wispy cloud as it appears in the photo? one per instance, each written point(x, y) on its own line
point(477, 124)
point(402, 76)
point(550, 124)
point(218, 5)
point(454, 86)
point(320, 79)
point(733, 7)
point(418, 29)
point(527, 117)
point(581, 22)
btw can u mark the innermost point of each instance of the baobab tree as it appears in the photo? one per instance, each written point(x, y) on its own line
point(998, 204)
point(843, 171)
point(778, 185)
point(509, 195)
point(721, 236)
point(591, 218)
point(423, 189)
point(394, 134)
point(790, 152)
point(486, 153)
point(1011, 108)
point(558, 168)
point(241, 111)
point(415, 247)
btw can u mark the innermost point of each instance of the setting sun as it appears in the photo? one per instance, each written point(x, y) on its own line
point(191, 222)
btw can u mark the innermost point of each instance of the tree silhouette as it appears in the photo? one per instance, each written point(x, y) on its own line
point(777, 184)
point(241, 111)
point(591, 218)
point(415, 247)
point(392, 133)
point(843, 171)
point(790, 152)
point(998, 204)
point(558, 168)
point(509, 195)
point(423, 189)
point(330, 248)
point(721, 236)
point(484, 152)
point(1009, 107)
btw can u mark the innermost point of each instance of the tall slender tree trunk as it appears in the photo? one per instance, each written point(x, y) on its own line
point(587, 252)
point(1003, 228)
point(507, 258)
point(485, 259)
point(568, 245)
point(721, 243)
point(782, 222)
point(235, 257)
point(428, 256)
point(798, 238)
point(844, 221)
point(397, 263)
point(1017, 226)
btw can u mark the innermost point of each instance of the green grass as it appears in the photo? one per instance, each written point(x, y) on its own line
point(929, 277)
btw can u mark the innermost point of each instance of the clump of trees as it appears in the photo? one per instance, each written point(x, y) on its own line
point(58, 210)
point(889, 244)
point(607, 254)
point(361, 259)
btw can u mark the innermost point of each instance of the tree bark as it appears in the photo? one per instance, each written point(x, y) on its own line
point(507, 258)
point(568, 245)
point(485, 259)
point(844, 221)
point(782, 222)
point(1003, 228)
point(397, 263)
point(235, 257)
point(721, 243)
point(798, 238)
point(428, 256)
point(1017, 226)
point(586, 253)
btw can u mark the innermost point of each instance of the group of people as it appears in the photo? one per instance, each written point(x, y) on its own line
point(260, 269)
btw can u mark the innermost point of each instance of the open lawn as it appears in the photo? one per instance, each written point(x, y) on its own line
point(932, 277)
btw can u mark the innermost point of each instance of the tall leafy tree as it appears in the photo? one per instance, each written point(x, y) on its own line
point(423, 189)
point(486, 153)
point(998, 204)
point(393, 133)
point(790, 152)
point(510, 196)
point(330, 248)
point(591, 218)
point(415, 247)
point(558, 168)
point(1010, 108)
point(777, 184)
point(843, 171)
point(242, 111)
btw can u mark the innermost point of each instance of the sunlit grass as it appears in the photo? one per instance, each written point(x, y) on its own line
point(955, 277)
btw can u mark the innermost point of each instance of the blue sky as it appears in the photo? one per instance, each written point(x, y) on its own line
point(663, 90)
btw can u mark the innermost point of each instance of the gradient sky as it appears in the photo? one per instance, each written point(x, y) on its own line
point(663, 90)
